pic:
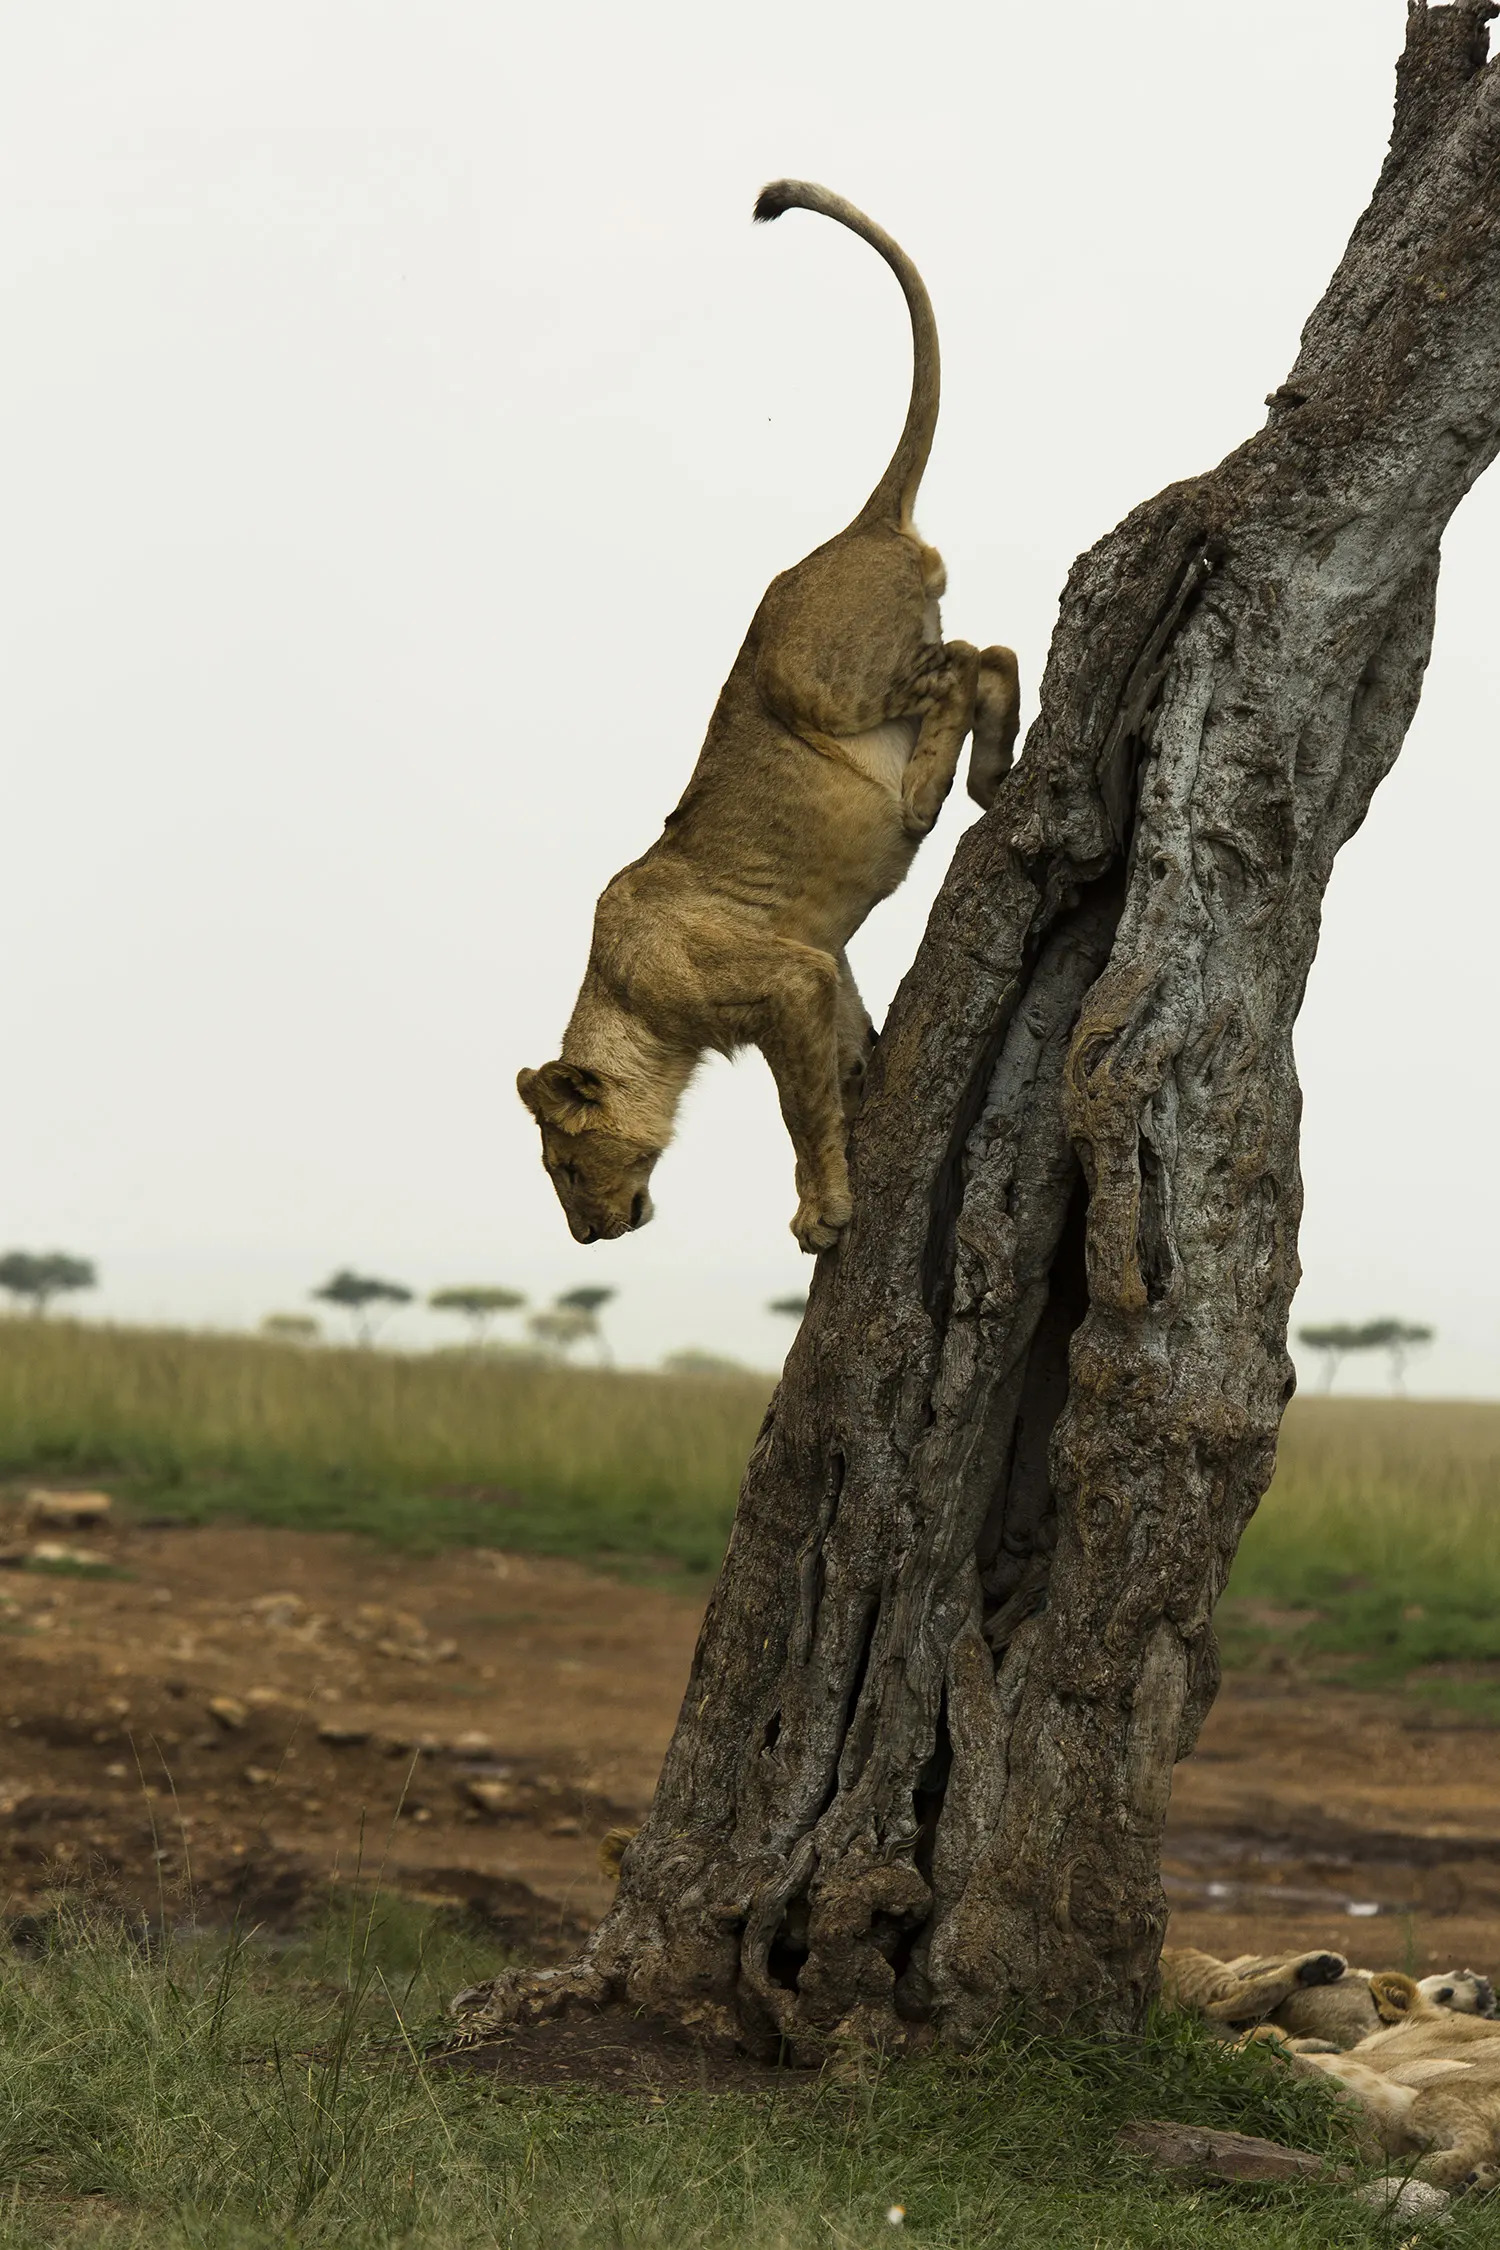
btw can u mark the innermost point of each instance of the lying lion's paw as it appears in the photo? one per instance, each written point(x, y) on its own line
point(1324, 1968)
point(1483, 2180)
point(820, 1220)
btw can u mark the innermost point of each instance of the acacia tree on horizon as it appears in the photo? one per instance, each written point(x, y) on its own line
point(1336, 1339)
point(359, 1294)
point(39, 1276)
point(964, 1625)
point(478, 1304)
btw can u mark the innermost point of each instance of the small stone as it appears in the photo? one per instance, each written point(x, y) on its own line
point(342, 1738)
point(228, 1710)
point(67, 1511)
point(259, 1777)
point(1413, 2202)
point(565, 1828)
point(52, 1555)
point(260, 1696)
point(118, 1770)
point(472, 1745)
point(490, 1796)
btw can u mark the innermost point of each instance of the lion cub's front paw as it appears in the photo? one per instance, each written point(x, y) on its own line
point(820, 1220)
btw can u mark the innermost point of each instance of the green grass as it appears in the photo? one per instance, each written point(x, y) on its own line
point(1379, 1541)
point(1380, 1536)
point(451, 1448)
point(222, 2095)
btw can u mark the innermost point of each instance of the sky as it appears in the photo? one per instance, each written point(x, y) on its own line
point(400, 420)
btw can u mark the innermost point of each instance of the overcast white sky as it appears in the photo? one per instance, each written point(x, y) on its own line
point(400, 421)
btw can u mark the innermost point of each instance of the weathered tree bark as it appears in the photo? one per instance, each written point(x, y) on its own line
point(965, 1623)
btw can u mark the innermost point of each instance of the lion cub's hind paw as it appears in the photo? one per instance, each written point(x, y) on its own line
point(1483, 2180)
point(935, 676)
point(820, 1220)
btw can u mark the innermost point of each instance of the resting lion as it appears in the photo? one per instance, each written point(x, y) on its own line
point(1428, 2087)
point(1315, 1996)
point(834, 743)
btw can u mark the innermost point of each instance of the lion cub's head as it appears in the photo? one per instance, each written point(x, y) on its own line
point(600, 1174)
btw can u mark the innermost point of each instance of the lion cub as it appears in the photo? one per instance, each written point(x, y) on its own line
point(1429, 2087)
point(827, 760)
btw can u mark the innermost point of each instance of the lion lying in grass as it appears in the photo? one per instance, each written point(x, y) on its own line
point(1310, 1995)
point(1420, 2061)
point(1428, 2087)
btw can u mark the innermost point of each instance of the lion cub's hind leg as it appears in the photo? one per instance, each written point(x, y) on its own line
point(840, 632)
point(941, 695)
point(997, 722)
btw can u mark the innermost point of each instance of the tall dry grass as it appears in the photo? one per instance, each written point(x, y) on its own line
point(454, 1444)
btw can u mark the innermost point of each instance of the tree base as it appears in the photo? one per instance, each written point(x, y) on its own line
point(522, 2000)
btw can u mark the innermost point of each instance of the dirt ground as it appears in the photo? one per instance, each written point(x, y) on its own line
point(235, 1715)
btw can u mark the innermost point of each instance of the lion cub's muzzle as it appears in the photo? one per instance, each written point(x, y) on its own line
point(609, 1226)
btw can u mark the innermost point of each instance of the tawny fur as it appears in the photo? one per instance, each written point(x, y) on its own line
point(833, 746)
point(1310, 1995)
point(1427, 2087)
point(1245, 1990)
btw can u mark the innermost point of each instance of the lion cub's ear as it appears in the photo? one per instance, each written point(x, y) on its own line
point(560, 1093)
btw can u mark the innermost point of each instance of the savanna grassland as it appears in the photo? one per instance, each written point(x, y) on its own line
point(1379, 1541)
point(217, 2089)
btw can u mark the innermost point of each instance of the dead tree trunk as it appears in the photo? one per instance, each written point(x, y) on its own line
point(965, 1623)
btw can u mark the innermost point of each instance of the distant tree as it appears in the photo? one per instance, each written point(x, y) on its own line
point(358, 1294)
point(41, 1276)
point(1331, 1340)
point(693, 1362)
point(792, 1307)
point(1399, 1339)
point(590, 1303)
point(477, 1305)
point(1337, 1338)
point(557, 1328)
point(290, 1328)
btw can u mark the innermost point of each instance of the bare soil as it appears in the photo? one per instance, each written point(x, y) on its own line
point(242, 1714)
point(237, 1716)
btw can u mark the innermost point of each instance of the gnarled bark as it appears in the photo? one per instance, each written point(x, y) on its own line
point(965, 1623)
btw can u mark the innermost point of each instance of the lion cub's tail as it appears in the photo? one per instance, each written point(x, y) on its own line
point(895, 496)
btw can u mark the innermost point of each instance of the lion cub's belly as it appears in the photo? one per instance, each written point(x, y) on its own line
point(882, 753)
